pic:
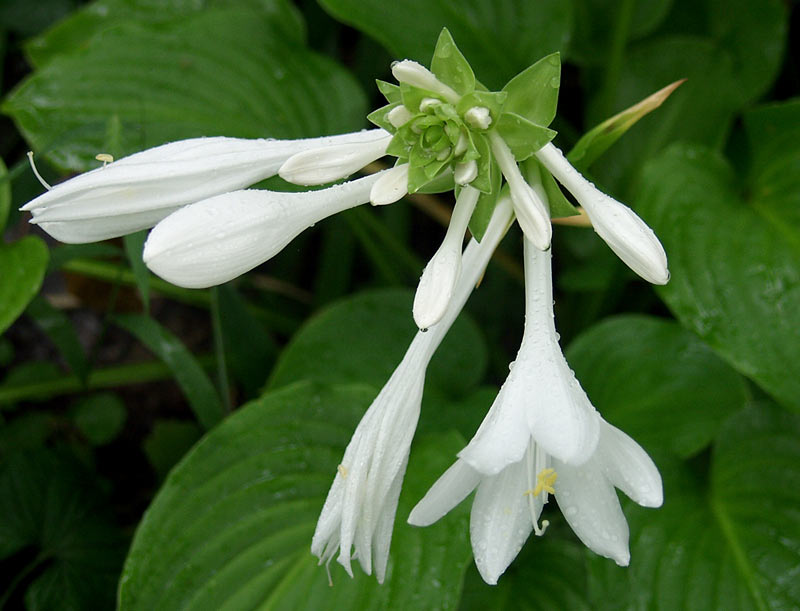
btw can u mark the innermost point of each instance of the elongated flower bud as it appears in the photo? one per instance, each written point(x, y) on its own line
point(392, 185)
point(417, 75)
point(139, 190)
point(220, 238)
point(619, 226)
point(330, 163)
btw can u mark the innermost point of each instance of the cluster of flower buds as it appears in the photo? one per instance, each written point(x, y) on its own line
point(542, 436)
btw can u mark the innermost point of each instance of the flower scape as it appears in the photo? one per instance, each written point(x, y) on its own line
point(541, 437)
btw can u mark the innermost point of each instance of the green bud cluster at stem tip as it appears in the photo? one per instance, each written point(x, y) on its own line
point(441, 119)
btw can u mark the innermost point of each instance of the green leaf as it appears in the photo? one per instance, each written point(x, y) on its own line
point(51, 505)
point(100, 417)
point(58, 327)
point(533, 93)
point(498, 37)
point(389, 90)
point(5, 196)
point(236, 79)
point(23, 264)
point(657, 382)
point(379, 117)
point(168, 442)
point(74, 33)
point(134, 246)
point(484, 181)
point(450, 66)
point(28, 431)
point(363, 338)
point(231, 527)
point(198, 389)
point(734, 546)
point(522, 137)
point(734, 253)
point(601, 137)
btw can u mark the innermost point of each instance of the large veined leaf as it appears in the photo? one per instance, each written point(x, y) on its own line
point(363, 338)
point(74, 32)
point(734, 546)
point(232, 525)
point(219, 72)
point(55, 519)
point(657, 382)
point(498, 37)
point(734, 251)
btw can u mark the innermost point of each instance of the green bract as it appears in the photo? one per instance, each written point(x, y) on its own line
point(434, 134)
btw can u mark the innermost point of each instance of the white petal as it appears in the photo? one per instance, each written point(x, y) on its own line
point(329, 163)
point(620, 227)
point(449, 490)
point(501, 520)
point(220, 238)
point(628, 467)
point(382, 539)
point(392, 185)
point(465, 172)
point(153, 183)
point(591, 507)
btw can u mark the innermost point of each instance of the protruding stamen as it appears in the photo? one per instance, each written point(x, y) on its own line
point(36, 172)
point(478, 117)
point(105, 158)
point(342, 471)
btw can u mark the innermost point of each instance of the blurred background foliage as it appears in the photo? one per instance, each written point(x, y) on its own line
point(110, 375)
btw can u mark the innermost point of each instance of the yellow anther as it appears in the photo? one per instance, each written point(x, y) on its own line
point(105, 158)
point(342, 471)
point(544, 482)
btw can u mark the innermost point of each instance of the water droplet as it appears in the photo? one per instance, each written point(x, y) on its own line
point(555, 82)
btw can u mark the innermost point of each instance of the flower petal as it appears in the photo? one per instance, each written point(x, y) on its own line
point(449, 490)
point(628, 467)
point(217, 239)
point(591, 507)
point(382, 539)
point(392, 185)
point(501, 520)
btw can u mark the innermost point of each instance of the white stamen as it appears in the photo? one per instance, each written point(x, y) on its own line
point(36, 172)
point(478, 117)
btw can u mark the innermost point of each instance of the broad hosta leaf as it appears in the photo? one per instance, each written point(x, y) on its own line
point(74, 32)
point(499, 38)
point(5, 196)
point(49, 503)
point(363, 339)
point(22, 266)
point(657, 382)
point(232, 525)
point(734, 254)
point(219, 72)
point(734, 547)
point(200, 392)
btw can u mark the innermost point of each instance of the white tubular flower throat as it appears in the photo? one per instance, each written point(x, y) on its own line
point(361, 504)
point(619, 226)
point(137, 191)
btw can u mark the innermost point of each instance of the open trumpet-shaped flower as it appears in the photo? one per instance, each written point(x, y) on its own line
point(137, 191)
point(508, 504)
point(361, 504)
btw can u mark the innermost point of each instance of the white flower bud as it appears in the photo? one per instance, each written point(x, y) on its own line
point(392, 185)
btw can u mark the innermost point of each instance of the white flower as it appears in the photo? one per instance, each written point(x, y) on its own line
point(508, 504)
point(217, 239)
point(619, 226)
point(361, 504)
point(540, 397)
point(139, 190)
